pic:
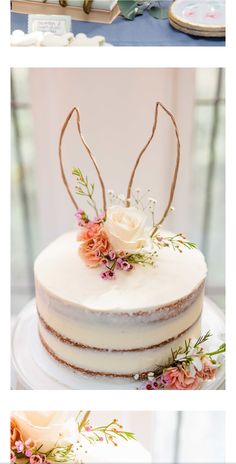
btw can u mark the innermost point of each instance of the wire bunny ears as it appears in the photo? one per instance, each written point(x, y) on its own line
point(176, 169)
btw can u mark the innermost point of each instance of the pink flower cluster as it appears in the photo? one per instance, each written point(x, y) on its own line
point(95, 248)
point(28, 450)
point(181, 378)
point(82, 218)
point(112, 261)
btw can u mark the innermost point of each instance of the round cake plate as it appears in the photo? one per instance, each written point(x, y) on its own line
point(36, 370)
point(198, 33)
point(203, 16)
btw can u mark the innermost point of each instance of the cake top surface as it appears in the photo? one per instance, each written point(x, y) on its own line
point(126, 451)
point(62, 273)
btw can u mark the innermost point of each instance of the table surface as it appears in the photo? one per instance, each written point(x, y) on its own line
point(143, 31)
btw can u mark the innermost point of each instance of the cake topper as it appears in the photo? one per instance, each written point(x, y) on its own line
point(119, 236)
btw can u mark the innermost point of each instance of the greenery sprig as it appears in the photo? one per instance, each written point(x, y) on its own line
point(109, 433)
point(84, 188)
point(176, 242)
point(192, 353)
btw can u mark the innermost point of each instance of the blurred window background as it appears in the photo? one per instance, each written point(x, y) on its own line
point(206, 195)
point(175, 436)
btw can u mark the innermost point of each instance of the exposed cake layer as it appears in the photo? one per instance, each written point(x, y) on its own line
point(120, 327)
point(113, 363)
point(121, 331)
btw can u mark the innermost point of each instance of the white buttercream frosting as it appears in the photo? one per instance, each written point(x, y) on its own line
point(99, 326)
point(60, 271)
point(101, 452)
point(115, 363)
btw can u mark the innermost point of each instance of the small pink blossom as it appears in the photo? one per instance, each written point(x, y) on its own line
point(108, 275)
point(99, 218)
point(112, 255)
point(29, 443)
point(179, 378)
point(28, 453)
point(208, 371)
point(36, 459)
point(19, 446)
point(12, 457)
point(88, 428)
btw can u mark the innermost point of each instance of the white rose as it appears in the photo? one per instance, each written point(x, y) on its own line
point(126, 229)
point(47, 428)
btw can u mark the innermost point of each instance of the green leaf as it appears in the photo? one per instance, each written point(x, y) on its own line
point(128, 8)
point(159, 13)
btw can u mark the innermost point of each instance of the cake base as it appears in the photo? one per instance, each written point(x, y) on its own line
point(36, 370)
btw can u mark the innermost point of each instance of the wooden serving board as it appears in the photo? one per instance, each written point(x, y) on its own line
point(76, 12)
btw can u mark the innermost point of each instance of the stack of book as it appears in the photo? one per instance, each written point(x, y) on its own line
point(102, 11)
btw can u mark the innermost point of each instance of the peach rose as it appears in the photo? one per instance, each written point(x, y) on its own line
point(15, 433)
point(208, 370)
point(178, 378)
point(47, 428)
point(94, 244)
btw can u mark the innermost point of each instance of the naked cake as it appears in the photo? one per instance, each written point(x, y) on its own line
point(147, 300)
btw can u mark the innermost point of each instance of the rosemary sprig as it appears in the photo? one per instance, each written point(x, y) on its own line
point(84, 188)
point(202, 339)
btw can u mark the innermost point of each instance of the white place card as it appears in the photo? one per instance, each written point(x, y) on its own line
point(56, 24)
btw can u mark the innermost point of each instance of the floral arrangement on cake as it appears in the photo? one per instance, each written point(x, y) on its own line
point(121, 238)
point(189, 366)
point(49, 437)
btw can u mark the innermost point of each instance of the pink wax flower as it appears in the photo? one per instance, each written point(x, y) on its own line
point(178, 378)
point(12, 457)
point(19, 446)
point(81, 216)
point(108, 275)
point(99, 218)
point(208, 371)
point(112, 255)
point(28, 453)
point(88, 428)
point(36, 459)
point(94, 244)
point(29, 443)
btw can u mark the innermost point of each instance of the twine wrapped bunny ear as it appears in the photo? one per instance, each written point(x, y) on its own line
point(76, 111)
point(173, 183)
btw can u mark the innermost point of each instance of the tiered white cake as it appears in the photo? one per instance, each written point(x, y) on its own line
point(120, 327)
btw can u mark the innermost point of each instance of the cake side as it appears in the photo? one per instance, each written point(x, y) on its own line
point(129, 336)
point(61, 273)
point(108, 363)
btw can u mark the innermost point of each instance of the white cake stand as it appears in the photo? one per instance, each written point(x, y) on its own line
point(34, 369)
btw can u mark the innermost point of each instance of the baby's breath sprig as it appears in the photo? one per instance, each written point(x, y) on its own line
point(84, 188)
